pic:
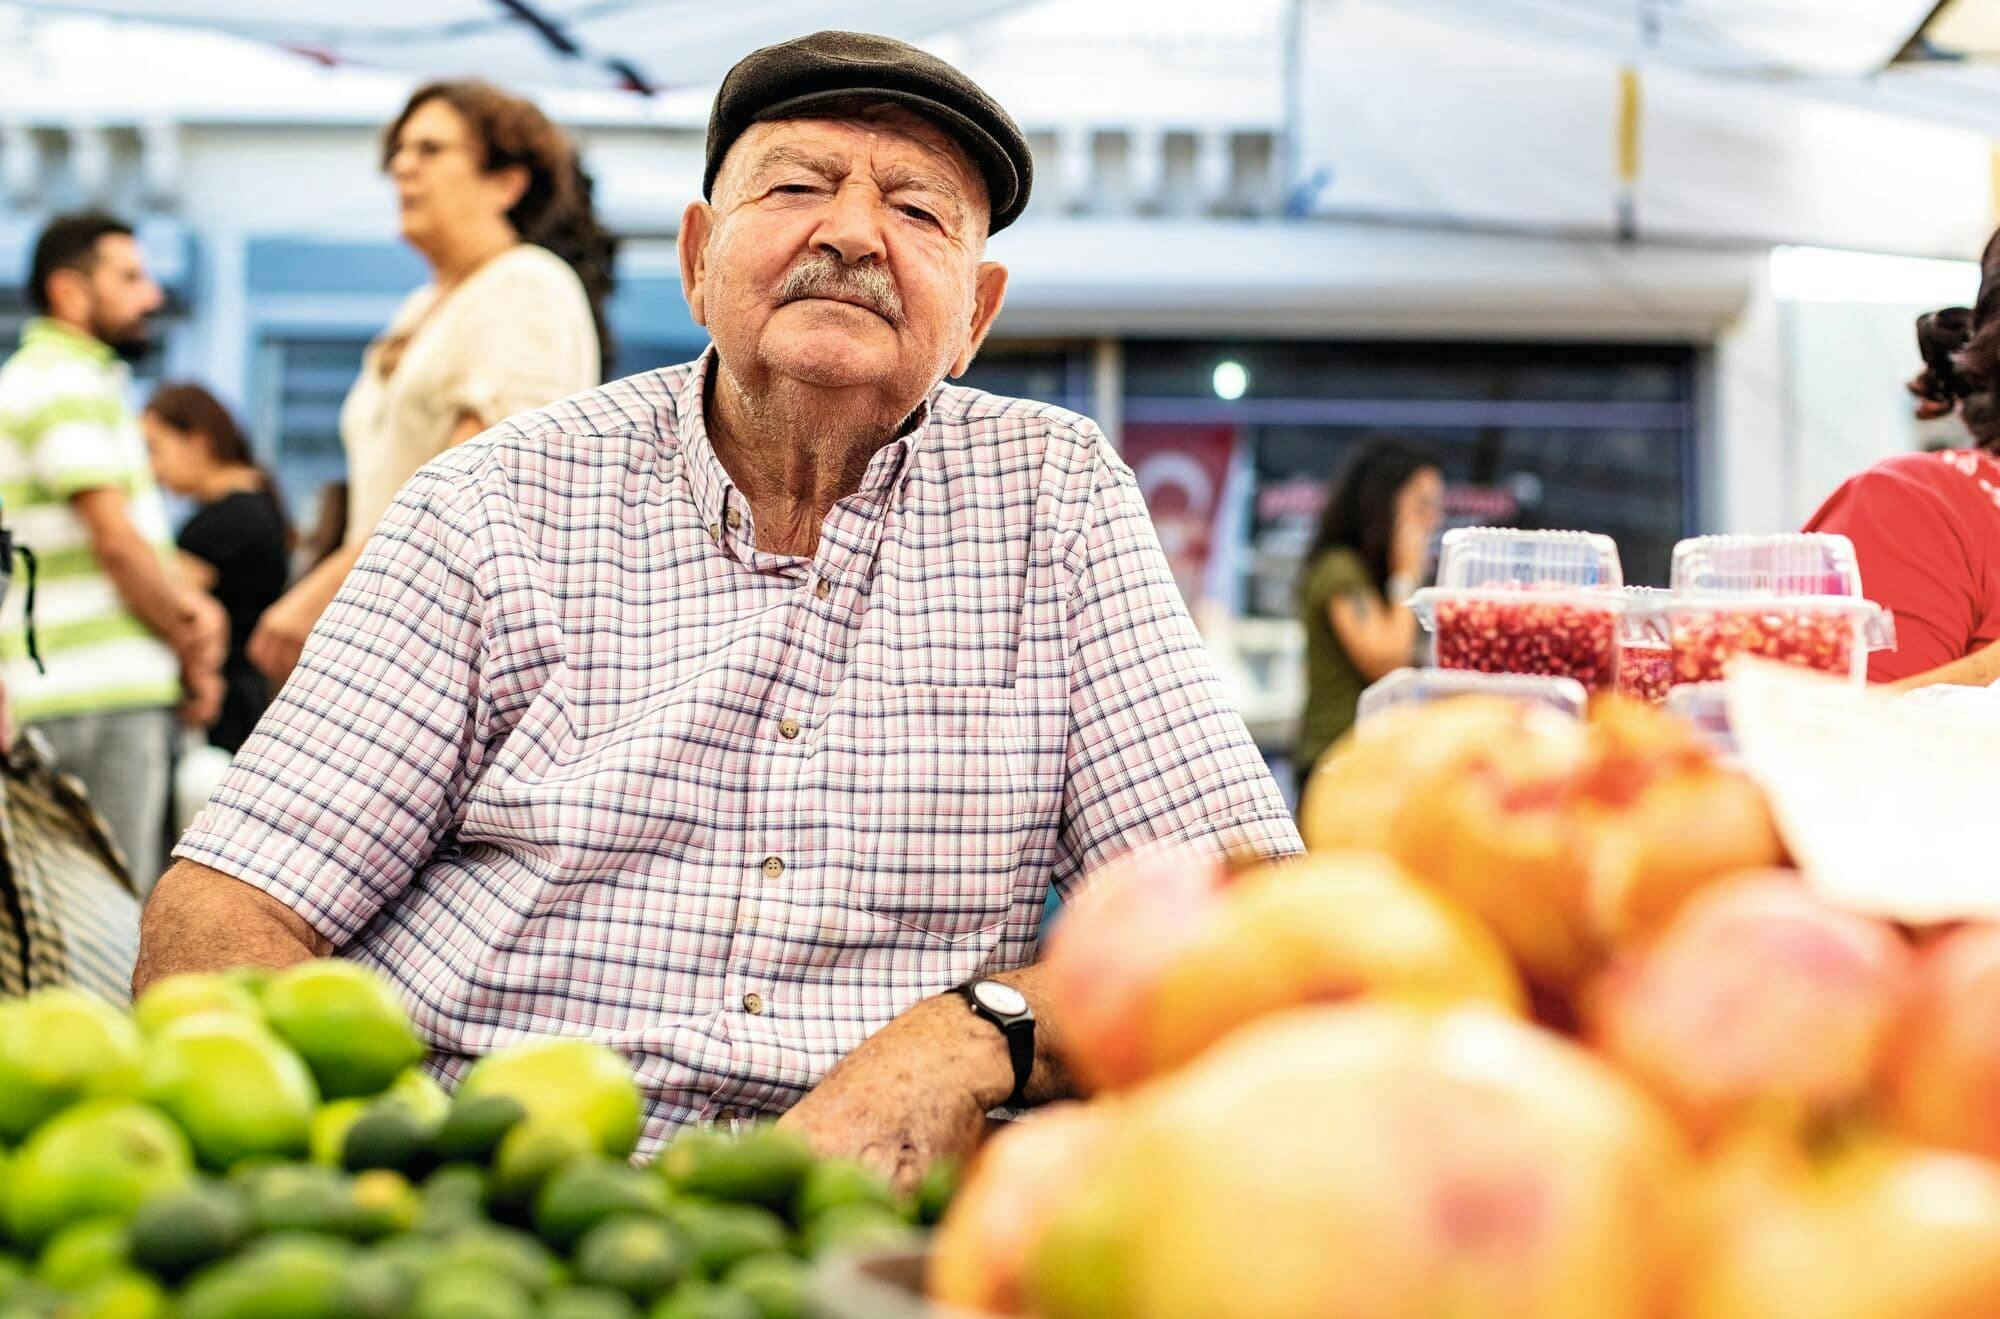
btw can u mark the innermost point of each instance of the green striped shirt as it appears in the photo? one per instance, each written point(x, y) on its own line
point(66, 427)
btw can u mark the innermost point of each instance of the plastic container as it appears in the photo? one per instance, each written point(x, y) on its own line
point(1705, 705)
point(1546, 603)
point(1422, 686)
point(1795, 599)
point(1646, 661)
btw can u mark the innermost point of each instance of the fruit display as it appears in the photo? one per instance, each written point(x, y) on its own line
point(1706, 638)
point(1528, 602)
point(1316, 1091)
point(250, 1147)
point(1646, 673)
point(1792, 599)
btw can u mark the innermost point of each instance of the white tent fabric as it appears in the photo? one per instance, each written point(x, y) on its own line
point(644, 44)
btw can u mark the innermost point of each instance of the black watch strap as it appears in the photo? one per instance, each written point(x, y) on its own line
point(1007, 1008)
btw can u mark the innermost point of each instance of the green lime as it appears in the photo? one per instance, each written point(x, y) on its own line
point(570, 1080)
point(192, 994)
point(84, 1252)
point(381, 1204)
point(833, 1182)
point(58, 1046)
point(589, 1303)
point(381, 1286)
point(585, 1193)
point(474, 1126)
point(104, 1156)
point(233, 1086)
point(464, 1293)
point(346, 1022)
point(858, 1227)
point(500, 1251)
point(301, 1197)
point(388, 1135)
point(764, 1165)
point(722, 1234)
point(935, 1191)
point(452, 1197)
point(776, 1284)
point(417, 1090)
point(703, 1300)
point(289, 1277)
point(528, 1156)
point(178, 1231)
point(119, 1296)
point(326, 1136)
point(639, 1256)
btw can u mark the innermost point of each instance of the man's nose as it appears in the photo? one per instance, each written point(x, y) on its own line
point(851, 229)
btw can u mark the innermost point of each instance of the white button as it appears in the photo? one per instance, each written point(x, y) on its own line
point(753, 1004)
point(773, 867)
point(788, 729)
point(822, 588)
point(733, 518)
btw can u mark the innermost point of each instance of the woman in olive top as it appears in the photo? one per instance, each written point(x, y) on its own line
point(1373, 543)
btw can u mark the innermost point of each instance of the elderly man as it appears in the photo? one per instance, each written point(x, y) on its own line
point(744, 711)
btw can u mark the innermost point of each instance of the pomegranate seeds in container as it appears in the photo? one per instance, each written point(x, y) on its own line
point(1793, 598)
point(1646, 666)
point(1422, 686)
point(1533, 602)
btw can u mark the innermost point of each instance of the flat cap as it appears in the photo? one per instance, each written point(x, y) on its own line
point(793, 78)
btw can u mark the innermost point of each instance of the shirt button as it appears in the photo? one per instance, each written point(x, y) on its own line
point(733, 518)
point(822, 588)
point(715, 531)
point(753, 1004)
point(788, 729)
point(773, 867)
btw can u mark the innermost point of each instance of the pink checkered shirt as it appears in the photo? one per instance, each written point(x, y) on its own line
point(570, 755)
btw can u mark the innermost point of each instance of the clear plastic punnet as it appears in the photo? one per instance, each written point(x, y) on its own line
point(1706, 706)
point(1545, 603)
point(1646, 662)
point(1794, 598)
point(1423, 686)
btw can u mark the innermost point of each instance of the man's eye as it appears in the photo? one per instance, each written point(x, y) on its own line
point(920, 214)
point(794, 189)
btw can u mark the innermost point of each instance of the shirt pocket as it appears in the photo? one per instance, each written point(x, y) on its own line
point(927, 789)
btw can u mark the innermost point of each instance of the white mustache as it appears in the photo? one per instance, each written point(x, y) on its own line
point(824, 277)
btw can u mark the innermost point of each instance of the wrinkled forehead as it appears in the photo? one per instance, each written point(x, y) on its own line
point(880, 135)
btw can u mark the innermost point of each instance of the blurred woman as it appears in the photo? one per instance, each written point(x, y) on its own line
point(491, 196)
point(235, 546)
point(1368, 557)
point(1926, 526)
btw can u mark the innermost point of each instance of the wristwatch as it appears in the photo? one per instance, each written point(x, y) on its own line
point(1007, 1008)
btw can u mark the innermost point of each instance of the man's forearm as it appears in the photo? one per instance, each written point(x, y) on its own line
point(199, 919)
point(1979, 669)
point(140, 578)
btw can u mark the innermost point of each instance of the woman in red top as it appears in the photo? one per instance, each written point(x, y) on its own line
point(1926, 526)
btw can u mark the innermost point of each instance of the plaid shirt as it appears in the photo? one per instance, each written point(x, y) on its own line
point(570, 754)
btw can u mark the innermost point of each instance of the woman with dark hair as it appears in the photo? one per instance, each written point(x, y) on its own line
point(492, 197)
point(1926, 526)
point(235, 545)
point(1368, 556)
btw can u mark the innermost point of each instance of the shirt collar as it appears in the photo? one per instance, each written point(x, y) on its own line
point(52, 335)
point(709, 481)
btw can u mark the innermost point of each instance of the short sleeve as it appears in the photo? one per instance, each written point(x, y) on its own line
point(527, 342)
point(217, 533)
point(75, 443)
point(1915, 560)
point(351, 779)
point(1155, 753)
point(1337, 574)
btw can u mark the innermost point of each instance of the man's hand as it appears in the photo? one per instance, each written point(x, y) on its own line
point(919, 1089)
point(280, 635)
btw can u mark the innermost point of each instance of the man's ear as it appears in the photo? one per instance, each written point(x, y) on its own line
point(68, 293)
point(697, 223)
point(989, 290)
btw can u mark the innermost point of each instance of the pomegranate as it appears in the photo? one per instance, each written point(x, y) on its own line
point(1321, 928)
point(1562, 636)
point(1107, 954)
point(1757, 1002)
point(1021, 1177)
point(1871, 1229)
point(1944, 1072)
point(1373, 1161)
point(1646, 673)
point(1705, 640)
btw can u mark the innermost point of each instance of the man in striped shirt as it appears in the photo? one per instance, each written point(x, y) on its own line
point(737, 714)
point(122, 640)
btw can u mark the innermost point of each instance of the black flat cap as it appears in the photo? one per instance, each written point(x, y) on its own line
point(793, 78)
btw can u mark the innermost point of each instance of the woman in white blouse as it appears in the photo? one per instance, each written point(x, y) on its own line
point(491, 196)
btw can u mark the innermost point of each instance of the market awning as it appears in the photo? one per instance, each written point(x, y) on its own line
point(645, 45)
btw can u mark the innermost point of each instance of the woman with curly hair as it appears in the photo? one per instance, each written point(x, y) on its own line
point(490, 194)
point(1926, 526)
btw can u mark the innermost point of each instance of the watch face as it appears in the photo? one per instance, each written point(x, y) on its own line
point(1003, 999)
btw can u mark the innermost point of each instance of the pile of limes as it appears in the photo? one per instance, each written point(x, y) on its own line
point(252, 1146)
